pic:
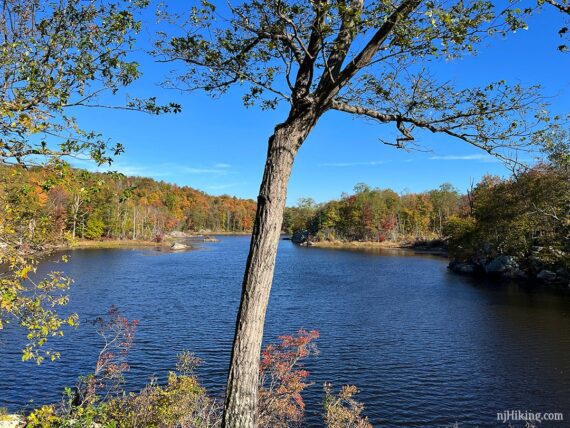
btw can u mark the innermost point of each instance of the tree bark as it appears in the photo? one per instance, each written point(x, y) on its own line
point(240, 410)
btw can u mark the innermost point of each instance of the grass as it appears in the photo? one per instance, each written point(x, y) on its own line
point(118, 243)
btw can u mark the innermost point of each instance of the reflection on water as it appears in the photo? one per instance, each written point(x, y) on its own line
point(426, 347)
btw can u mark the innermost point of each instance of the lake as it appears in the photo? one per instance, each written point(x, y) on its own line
point(425, 346)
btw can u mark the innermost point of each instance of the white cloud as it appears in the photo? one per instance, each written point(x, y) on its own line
point(479, 157)
point(152, 170)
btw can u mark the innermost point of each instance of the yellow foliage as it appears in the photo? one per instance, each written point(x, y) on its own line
point(44, 417)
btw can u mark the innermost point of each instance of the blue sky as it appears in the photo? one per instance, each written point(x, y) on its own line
point(218, 146)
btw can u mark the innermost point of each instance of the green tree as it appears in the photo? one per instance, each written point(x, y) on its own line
point(444, 201)
point(555, 144)
point(362, 59)
point(94, 228)
point(524, 216)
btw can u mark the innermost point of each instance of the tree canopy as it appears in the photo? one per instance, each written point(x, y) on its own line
point(56, 56)
point(368, 59)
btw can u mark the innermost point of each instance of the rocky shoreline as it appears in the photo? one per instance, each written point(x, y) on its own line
point(530, 268)
point(509, 267)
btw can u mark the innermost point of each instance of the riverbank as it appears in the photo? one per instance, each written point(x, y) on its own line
point(115, 243)
point(532, 269)
point(427, 247)
point(356, 244)
point(168, 241)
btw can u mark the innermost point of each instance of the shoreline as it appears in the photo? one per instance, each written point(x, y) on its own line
point(497, 268)
point(114, 243)
point(357, 244)
point(385, 245)
point(167, 242)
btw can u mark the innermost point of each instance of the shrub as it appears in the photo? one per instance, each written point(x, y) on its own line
point(99, 400)
point(44, 417)
point(106, 380)
point(282, 380)
point(182, 402)
point(342, 410)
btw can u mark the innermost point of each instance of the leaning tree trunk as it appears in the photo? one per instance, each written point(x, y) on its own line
point(240, 409)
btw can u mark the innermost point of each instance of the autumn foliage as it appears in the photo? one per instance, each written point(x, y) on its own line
point(65, 203)
point(373, 214)
point(342, 410)
point(282, 379)
point(100, 400)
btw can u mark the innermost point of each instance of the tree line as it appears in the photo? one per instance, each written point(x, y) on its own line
point(63, 203)
point(378, 215)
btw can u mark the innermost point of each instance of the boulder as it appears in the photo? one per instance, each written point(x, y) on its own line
point(177, 246)
point(546, 275)
point(463, 267)
point(177, 234)
point(11, 421)
point(563, 275)
point(300, 237)
point(516, 274)
point(502, 265)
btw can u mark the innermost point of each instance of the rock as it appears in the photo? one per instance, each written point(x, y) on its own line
point(177, 234)
point(210, 239)
point(546, 275)
point(563, 275)
point(463, 267)
point(177, 246)
point(515, 274)
point(502, 265)
point(11, 421)
point(300, 237)
point(535, 263)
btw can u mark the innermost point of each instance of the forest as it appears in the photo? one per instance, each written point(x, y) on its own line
point(62, 203)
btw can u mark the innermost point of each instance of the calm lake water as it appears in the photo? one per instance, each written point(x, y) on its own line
point(425, 346)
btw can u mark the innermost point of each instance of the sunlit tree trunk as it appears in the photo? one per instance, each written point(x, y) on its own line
point(241, 398)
